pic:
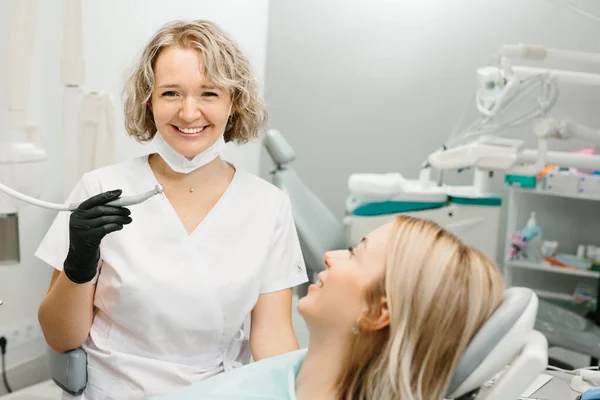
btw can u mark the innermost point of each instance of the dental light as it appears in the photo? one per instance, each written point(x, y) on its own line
point(502, 87)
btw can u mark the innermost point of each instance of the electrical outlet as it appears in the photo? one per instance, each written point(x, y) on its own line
point(13, 335)
point(21, 333)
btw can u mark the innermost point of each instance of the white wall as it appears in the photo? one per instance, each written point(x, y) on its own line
point(376, 86)
point(114, 32)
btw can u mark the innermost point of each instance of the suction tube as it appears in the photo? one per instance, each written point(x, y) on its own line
point(120, 202)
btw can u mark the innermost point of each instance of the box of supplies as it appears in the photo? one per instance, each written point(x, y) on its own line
point(561, 182)
point(589, 184)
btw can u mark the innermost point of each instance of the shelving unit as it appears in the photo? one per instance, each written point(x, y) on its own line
point(580, 196)
point(548, 281)
point(547, 267)
point(553, 295)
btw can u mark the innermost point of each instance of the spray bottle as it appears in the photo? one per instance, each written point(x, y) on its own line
point(532, 235)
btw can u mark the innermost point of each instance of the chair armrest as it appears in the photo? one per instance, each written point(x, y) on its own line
point(68, 370)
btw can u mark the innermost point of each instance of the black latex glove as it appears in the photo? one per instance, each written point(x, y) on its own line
point(88, 225)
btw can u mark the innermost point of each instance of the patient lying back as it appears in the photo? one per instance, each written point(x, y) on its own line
point(388, 319)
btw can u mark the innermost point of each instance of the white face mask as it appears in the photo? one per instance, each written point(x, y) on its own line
point(182, 164)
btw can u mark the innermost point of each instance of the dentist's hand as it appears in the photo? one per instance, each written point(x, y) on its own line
point(88, 225)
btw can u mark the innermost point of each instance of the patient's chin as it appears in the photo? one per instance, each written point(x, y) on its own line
point(304, 306)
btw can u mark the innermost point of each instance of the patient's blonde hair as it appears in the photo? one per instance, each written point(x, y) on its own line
point(224, 66)
point(439, 293)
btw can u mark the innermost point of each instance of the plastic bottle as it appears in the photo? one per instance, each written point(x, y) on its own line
point(532, 235)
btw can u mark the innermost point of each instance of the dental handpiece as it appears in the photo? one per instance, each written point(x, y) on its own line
point(120, 202)
point(128, 200)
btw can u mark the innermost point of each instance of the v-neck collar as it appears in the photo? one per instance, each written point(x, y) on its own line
point(169, 206)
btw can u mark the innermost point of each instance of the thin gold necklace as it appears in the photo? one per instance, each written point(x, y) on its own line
point(192, 189)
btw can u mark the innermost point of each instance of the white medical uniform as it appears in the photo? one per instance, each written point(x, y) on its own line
point(170, 306)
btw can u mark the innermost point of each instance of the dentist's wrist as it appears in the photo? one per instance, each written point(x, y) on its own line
point(79, 269)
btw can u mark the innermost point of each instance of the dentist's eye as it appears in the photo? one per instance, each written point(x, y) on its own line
point(351, 250)
point(170, 93)
point(210, 94)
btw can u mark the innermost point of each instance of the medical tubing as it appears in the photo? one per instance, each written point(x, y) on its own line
point(579, 10)
point(121, 202)
point(483, 126)
point(571, 371)
point(3, 343)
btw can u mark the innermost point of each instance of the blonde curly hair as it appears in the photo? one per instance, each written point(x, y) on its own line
point(224, 66)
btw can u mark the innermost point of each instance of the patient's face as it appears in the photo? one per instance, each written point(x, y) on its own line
point(337, 300)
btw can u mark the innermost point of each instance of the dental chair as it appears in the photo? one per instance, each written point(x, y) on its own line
point(506, 349)
point(318, 228)
point(508, 337)
point(68, 370)
point(320, 231)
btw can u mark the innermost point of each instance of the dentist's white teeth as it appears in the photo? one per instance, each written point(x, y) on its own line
point(190, 130)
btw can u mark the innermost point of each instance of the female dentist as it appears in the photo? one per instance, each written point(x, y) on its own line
point(157, 294)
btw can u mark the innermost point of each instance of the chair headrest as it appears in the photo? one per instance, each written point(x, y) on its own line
point(278, 148)
point(507, 326)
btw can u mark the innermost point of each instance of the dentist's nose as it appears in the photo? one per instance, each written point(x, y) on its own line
point(189, 110)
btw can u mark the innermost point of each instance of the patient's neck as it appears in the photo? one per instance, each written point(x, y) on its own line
point(321, 367)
